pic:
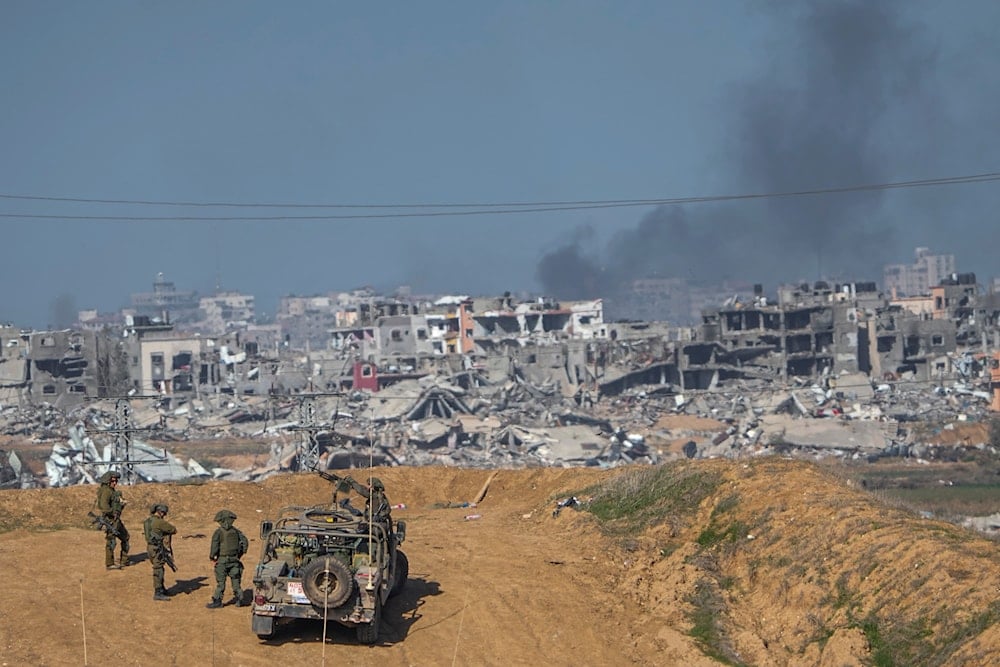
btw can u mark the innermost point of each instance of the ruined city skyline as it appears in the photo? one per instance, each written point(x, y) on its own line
point(331, 104)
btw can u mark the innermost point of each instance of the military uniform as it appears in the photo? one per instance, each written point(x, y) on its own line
point(158, 532)
point(110, 504)
point(377, 503)
point(228, 546)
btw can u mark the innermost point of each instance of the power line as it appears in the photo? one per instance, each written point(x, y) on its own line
point(482, 208)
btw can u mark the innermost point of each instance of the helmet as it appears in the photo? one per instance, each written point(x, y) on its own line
point(110, 475)
point(160, 507)
point(377, 484)
point(222, 515)
point(154, 508)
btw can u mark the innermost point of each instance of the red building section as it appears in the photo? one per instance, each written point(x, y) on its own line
point(365, 376)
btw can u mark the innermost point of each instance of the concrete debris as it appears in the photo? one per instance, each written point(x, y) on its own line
point(522, 419)
point(12, 473)
point(78, 462)
point(984, 524)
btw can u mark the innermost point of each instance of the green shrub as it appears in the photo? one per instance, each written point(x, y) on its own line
point(644, 497)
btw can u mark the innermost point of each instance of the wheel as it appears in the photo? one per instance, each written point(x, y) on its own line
point(402, 572)
point(368, 632)
point(327, 582)
point(263, 626)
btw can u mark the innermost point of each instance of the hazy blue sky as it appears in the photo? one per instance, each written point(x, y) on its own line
point(410, 102)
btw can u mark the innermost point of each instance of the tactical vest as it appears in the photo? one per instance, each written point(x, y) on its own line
point(232, 542)
point(147, 529)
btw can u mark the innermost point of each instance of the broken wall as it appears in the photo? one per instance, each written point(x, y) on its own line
point(62, 370)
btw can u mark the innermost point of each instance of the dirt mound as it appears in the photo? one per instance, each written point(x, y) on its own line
point(779, 564)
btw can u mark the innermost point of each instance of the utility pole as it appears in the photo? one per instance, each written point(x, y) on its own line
point(123, 431)
point(123, 438)
point(308, 454)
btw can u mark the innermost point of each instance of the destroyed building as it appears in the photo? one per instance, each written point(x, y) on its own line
point(13, 364)
point(809, 331)
point(63, 366)
point(227, 310)
point(823, 369)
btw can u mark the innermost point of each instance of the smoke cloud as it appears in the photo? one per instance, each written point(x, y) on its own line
point(63, 311)
point(817, 119)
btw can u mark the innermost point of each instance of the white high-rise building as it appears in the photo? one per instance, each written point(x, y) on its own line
point(917, 279)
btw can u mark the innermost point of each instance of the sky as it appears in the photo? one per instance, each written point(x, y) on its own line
point(402, 103)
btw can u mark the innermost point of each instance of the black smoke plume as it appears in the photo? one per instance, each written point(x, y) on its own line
point(818, 119)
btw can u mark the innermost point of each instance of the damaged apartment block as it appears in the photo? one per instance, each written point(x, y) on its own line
point(62, 368)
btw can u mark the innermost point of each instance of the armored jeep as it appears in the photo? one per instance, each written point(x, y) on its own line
point(333, 563)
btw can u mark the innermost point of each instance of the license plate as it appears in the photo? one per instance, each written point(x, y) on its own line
point(267, 607)
point(295, 592)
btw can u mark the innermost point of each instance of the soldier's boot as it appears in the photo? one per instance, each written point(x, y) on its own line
point(159, 596)
point(237, 600)
point(123, 561)
point(214, 604)
point(113, 566)
point(164, 591)
point(242, 601)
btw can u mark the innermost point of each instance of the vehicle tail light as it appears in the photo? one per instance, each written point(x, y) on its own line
point(261, 594)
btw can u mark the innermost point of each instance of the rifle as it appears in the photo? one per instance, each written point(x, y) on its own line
point(344, 484)
point(163, 553)
point(99, 521)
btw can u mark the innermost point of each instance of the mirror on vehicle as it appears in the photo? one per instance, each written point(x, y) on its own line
point(265, 528)
point(400, 531)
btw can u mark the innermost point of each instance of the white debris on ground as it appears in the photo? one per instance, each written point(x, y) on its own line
point(514, 424)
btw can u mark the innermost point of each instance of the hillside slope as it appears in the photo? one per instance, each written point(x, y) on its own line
point(772, 563)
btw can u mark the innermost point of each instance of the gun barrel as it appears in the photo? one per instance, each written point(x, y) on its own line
point(328, 476)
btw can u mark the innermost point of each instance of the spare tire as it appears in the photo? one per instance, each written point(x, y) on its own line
point(327, 582)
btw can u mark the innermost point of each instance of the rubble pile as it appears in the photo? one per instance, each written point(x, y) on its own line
point(435, 421)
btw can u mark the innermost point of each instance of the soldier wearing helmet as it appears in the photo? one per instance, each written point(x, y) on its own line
point(377, 504)
point(228, 546)
point(110, 504)
point(158, 532)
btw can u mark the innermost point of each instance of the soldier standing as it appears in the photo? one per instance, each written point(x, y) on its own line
point(228, 546)
point(158, 531)
point(110, 504)
point(377, 503)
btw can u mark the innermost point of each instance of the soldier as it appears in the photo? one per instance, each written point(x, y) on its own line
point(110, 504)
point(158, 546)
point(377, 504)
point(228, 546)
point(377, 500)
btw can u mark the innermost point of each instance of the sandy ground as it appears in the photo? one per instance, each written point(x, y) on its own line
point(517, 586)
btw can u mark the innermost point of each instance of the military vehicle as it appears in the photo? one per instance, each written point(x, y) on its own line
point(330, 562)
